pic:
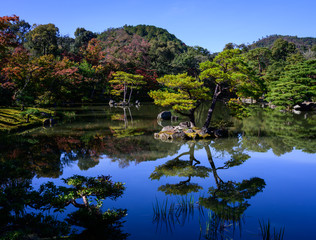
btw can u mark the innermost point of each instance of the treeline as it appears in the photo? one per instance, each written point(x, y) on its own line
point(302, 43)
point(39, 66)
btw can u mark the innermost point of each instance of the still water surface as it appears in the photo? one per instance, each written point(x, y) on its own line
point(216, 189)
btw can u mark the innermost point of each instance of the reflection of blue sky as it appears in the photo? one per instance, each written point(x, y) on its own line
point(287, 200)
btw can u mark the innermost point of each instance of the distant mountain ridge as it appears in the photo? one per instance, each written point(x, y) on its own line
point(302, 43)
point(155, 34)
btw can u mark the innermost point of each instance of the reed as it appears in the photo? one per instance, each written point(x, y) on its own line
point(170, 213)
point(267, 234)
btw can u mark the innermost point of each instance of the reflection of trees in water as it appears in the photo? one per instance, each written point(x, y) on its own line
point(46, 156)
point(181, 168)
point(227, 200)
point(127, 129)
point(17, 194)
point(279, 131)
point(20, 204)
point(263, 130)
point(221, 113)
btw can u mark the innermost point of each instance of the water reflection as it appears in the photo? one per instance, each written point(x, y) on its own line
point(227, 200)
point(24, 215)
point(279, 131)
point(95, 136)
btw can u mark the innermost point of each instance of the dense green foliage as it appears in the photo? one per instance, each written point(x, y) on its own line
point(40, 66)
point(303, 43)
point(296, 83)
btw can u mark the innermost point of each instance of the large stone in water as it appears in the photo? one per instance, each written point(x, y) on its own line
point(165, 115)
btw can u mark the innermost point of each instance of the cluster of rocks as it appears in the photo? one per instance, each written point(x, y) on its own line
point(187, 131)
point(112, 103)
point(299, 108)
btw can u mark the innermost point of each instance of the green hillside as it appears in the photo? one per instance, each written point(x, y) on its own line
point(302, 43)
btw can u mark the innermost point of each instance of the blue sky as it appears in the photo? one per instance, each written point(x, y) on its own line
point(210, 24)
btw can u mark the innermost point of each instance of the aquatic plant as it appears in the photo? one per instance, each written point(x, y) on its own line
point(266, 232)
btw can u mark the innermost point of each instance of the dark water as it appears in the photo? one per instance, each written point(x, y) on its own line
point(216, 189)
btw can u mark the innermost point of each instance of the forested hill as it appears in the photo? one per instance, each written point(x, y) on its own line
point(151, 33)
point(40, 66)
point(166, 52)
point(302, 43)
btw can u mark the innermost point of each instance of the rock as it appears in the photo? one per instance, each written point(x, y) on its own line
point(189, 131)
point(186, 130)
point(170, 136)
point(178, 135)
point(296, 111)
point(112, 103)
point(167, 129)
point(185, 125)
point(165, 136)
point(165, 115)
point(297, 107)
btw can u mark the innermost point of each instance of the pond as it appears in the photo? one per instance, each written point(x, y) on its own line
point(230, 188)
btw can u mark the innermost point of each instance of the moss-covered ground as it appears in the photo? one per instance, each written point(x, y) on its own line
point(13, 119)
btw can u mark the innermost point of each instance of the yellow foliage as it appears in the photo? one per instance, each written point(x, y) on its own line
point(187, 92)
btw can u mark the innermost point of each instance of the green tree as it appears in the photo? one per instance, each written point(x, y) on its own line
point(228, 71)
point(259, 59)
point(65, 45)
point(296, 84)
point(82, 38)
point(281, 49)
point(184, 93)
point(42, 39)
point(20, 29)
point(229, 46)
point(189, 61)
point(124, 82)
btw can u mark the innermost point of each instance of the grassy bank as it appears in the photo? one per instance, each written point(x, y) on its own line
point(13, 119)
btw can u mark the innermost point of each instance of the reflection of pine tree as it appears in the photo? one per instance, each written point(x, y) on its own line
point(227, 200)
point(17, 195)
point(181, 168)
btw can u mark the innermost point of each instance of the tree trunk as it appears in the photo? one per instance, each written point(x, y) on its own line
point(191, 116)
point(218, 180)
point(217, 92)
point(130, 94)
point(124, 93)
point(85, 201)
